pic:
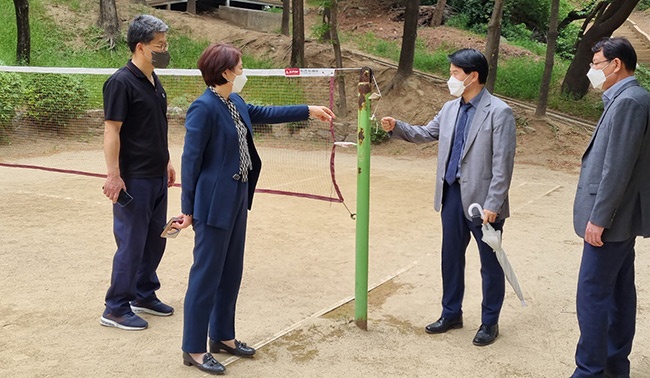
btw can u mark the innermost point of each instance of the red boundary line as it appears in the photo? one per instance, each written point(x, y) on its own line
point(92, 174)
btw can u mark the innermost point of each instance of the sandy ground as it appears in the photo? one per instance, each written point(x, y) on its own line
point(57, 248)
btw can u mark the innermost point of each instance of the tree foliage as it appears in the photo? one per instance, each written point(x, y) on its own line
point(532, 13)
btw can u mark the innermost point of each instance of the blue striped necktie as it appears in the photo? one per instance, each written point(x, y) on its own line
point(457, 147)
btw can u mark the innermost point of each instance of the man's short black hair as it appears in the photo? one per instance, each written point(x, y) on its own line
point(471, 60)
point(617, 47)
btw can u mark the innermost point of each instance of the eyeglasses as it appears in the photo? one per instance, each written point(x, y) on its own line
point(162, 46)
point(593, 65)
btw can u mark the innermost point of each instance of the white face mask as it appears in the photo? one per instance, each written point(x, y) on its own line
point(239, 82)
point(456, 87)
point(597, 77)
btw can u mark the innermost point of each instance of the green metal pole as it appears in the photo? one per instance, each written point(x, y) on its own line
point(363, 201)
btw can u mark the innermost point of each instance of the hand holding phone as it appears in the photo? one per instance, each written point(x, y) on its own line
point(169, 231)
point(124, 198)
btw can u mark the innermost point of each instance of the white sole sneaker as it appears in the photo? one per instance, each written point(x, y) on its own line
point(144, 310)
point(111, 323)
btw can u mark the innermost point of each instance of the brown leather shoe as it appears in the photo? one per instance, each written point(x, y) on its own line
point(443, 325)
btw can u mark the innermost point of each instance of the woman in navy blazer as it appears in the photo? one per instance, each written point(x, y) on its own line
point(220, 168)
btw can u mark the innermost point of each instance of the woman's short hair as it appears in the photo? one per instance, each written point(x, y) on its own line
point(215, 60)
point(143, 29)
point(471, 60)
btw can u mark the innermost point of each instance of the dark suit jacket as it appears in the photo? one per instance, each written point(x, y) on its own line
point(211, 154)
point(614, 185)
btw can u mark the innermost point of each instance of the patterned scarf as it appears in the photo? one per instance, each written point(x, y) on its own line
point(245, 163)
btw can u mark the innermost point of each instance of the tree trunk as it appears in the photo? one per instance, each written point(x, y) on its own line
point(576, 83)
point(492, 45)
point(286, 9)
point(407, 53)
point(109, 22)
point(298, 36)
point(327, 20)
point(23, 44)
point(342, 109)
point(436, 20)
point(551, 41)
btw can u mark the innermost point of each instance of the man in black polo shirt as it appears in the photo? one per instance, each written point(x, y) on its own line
point(137, 161)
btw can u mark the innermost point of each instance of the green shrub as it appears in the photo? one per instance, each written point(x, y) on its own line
point(182, 101)
point(433, 61)
point(53, 100)
point(377, 133)
point(320, 30)
point(473, 11)
point(520, 78)
point(459, 21)
point(533, 13)
point(566, 41)
point(516, 32)
point(642, 74)
point(273, 9)
point(643, 5)
point(11, 94)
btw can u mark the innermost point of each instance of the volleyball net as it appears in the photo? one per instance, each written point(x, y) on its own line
point(298, 157)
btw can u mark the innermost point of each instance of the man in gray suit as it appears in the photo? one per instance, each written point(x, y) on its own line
point(476, 149)
point(612, 208)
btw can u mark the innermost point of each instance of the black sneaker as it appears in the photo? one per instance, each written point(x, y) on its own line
point(154, 307)
point(128, 321)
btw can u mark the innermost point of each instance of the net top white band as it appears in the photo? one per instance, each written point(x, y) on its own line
point(286, 72)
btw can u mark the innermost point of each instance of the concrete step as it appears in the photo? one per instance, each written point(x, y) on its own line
point(639, 39)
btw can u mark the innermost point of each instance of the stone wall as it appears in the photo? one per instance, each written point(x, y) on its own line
point(252, 19)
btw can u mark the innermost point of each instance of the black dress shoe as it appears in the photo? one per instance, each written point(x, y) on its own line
point(209, 365)
point(486, 335)
point(240, 349)
point(443, 325)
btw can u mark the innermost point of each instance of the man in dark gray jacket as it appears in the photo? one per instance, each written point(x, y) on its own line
point(612, 208)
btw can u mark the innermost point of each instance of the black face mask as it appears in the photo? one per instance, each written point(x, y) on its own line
point(160, 59)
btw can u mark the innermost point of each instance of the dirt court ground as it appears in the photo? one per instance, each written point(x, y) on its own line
point(57, 248)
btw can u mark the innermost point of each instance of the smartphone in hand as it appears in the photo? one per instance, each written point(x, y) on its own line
point(124, 198)
point(169, 231)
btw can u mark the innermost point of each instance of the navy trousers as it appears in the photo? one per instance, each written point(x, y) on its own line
point(606, 307)
point(215, 278)
point(140, 248)
point(456, 231)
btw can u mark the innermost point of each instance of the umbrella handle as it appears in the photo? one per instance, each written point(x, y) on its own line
point(475, 206)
